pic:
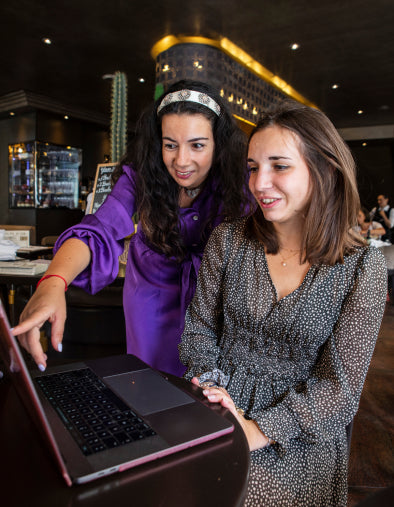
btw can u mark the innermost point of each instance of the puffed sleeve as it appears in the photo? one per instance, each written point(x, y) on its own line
point(330, 397)
point(104, 233)
point(199, 348)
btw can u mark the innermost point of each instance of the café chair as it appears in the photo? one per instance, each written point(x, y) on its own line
point(48, 240)
point(95, 325)
point(388, 252)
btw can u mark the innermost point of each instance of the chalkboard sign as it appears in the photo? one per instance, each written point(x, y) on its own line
point(102, 185)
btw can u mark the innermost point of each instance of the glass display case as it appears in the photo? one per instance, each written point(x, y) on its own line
point(43, 175)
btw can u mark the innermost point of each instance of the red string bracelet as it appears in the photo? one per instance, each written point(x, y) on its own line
point(49, 276)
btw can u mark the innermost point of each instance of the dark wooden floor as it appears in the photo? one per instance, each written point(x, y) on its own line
point(371, 465)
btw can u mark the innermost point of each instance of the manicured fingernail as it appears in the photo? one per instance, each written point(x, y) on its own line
point(59, 347)
point(212, 397)
point(41, 367)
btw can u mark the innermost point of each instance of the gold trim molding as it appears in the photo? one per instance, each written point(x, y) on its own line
point(237, 54)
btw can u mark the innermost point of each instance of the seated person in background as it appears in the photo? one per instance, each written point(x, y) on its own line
point(368, 228)
point(185, 173)
point(384, 214)
point(287, 311)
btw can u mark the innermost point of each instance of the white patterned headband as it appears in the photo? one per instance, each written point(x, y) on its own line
point(190, 96)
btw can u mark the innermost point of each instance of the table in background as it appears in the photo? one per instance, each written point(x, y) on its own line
point(8, 284)
point(211, 474)
point(34, 252)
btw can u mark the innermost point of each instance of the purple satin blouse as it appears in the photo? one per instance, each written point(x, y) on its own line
point(157, 290)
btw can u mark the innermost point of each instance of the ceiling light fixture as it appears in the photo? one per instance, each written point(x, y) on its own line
point(335, 86)
point(235, 53)
point(46, 40)
point(12, 113)
point(364, 144)
point(141, 80)
point(360, 111)
point(65, 117)
point(295, 46)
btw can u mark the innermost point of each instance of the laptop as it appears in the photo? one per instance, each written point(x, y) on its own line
point(107, 415)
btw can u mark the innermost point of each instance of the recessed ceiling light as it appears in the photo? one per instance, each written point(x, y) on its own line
point(12, 113)
point(46, 40)
point(65, 117)
point(295, 46)
point(364, 144)
point(335, 86)
point(360, 111)
point(141, 80)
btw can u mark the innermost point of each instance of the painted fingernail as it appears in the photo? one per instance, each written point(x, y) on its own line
point(59, 347)
point(41, 367)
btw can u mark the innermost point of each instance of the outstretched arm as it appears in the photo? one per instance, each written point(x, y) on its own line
point(48, 303)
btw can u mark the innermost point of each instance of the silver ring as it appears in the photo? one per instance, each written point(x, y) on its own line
point(208, 384)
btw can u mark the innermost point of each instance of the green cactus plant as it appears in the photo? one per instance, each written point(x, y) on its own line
point(118, 116)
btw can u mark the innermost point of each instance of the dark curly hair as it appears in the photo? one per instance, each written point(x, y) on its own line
point(158, 193)
point(334, 202)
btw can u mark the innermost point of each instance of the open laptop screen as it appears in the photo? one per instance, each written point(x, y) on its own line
point(16, 367)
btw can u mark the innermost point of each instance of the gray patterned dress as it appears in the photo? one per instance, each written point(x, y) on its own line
point(297, 366)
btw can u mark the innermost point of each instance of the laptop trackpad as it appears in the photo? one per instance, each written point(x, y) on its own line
point(147, 392)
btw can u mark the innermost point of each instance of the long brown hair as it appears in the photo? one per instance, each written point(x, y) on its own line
point(334, 202)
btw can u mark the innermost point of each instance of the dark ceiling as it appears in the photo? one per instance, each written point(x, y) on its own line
point(349, 42)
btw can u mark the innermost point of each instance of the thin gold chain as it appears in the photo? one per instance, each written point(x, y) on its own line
point(285, 259)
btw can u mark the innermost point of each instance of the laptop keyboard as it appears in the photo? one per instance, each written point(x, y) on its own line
point(95, 416)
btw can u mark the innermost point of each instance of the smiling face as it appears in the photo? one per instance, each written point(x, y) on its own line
point(188, 147)
point(279, 177)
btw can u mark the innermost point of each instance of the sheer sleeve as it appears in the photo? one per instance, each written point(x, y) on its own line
point(330, 397)
point(104, 233)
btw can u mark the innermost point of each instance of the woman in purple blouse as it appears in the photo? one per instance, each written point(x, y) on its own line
point(184, 174)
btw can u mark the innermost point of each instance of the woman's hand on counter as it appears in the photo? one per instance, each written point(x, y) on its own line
point(255, 437)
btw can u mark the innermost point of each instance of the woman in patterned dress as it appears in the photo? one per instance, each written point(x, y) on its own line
point(287, 311)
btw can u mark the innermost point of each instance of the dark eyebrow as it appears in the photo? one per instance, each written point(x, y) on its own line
point(189, 140)
point(274, 157)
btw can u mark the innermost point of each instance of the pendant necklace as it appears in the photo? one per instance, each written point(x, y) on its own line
point(192, 192)
point(284, 260)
